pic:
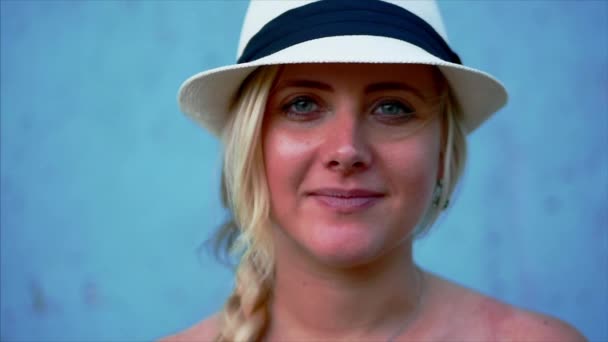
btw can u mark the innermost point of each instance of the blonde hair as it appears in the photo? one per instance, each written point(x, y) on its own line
point(245, 194)
point(453, 155)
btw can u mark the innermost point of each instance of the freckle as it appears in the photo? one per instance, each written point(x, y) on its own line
point(545, 322)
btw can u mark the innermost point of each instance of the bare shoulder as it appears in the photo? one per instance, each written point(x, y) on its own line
point(481, 317)
point(205, 330)
point(532, 326)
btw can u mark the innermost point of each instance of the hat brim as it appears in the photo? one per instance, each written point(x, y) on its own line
point(207, 96)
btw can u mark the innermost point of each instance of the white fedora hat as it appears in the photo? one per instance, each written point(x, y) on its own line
point(340, 31)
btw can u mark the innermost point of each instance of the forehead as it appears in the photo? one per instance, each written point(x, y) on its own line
point(422, 77)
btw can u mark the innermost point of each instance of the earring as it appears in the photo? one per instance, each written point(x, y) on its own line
point(437, 195)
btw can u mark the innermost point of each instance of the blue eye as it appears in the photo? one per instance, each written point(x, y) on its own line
point(393, 108)
point(302, 105)
point(393, 112)
point(301, 108)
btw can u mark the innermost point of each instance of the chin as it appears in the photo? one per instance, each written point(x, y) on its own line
point(349, 245)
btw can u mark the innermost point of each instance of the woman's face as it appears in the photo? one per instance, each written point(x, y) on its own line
point(352, 153)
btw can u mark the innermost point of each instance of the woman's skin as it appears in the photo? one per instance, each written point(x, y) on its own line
point(352, 155)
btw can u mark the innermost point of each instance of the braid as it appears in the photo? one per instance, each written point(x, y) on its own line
point(245, 193)
point(245, 315)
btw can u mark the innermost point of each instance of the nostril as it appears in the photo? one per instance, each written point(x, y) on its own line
point(333, 163)
point(358, 165)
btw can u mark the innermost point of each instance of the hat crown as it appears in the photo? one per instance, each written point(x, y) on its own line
point(260, 12)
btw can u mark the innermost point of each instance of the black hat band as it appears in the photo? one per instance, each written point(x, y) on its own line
point(330, 18)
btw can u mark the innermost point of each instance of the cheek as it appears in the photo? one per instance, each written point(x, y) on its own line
point(412, 170)
point(287, 159)
point(420, 161)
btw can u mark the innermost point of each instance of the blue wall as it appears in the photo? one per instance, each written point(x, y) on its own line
point(107, 190)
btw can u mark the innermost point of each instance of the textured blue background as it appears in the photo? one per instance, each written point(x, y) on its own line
point(107, 191)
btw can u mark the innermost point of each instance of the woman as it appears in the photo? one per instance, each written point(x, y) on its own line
point(344, 127)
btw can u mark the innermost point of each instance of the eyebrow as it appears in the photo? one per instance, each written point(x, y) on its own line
point(305, 84)
point(374, 87)
point(384, 86)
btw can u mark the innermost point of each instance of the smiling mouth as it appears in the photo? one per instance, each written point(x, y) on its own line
point(346, 201)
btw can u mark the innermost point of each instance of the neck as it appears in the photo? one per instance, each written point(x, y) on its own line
point(373, 301)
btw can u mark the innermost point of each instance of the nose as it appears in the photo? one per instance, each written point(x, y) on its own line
point(347, 149)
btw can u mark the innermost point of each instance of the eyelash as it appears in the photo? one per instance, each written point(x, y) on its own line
point(406, 111)
point(287, 109)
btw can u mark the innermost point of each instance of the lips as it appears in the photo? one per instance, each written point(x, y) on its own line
point(346, 200)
